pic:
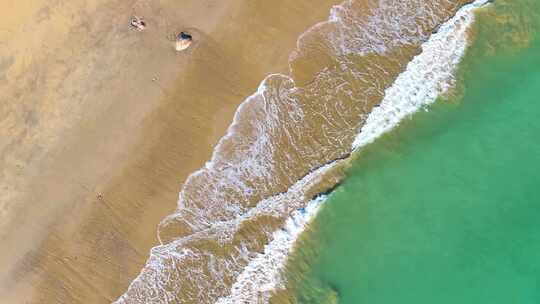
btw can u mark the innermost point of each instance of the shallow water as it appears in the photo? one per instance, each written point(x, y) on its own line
point(443, 209)
point(263, 168)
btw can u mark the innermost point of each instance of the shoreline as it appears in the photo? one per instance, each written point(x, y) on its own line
point(138, 179)
point(457, 129)
point(276, 254)
point(184, 231)
point(115, 216)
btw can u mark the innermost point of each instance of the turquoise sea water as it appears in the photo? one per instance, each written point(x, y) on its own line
point(446, 208)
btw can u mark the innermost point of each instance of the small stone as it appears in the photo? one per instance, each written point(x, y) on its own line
point(183, 41)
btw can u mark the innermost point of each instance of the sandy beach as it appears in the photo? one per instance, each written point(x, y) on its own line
point(101, 124)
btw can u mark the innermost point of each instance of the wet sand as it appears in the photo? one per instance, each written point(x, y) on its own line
point(100, 125)
point(282, 134)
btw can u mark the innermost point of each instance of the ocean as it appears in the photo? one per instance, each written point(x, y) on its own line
point(445, 207)
point(286, 211)
point(371, 152)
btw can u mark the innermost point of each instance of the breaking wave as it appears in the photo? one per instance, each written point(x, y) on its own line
point(262, 275)
point(426, 77)
point(288, 141)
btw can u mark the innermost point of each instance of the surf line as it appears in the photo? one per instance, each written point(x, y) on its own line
point(415, 88)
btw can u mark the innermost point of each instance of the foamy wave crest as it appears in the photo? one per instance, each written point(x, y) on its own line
point(281, 150)
point(426, 77)
point(227, 168)
point(213, 278)
point(391, 20)
point(262, 276)
point(379, 26)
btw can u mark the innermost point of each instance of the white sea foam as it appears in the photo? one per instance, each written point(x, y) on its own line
point(178, 251)
point(224, 187)
point(426, 77)
point(228, 171)
point(390, 25)
point(231, 131)
point(262, 276)
point(165, 277)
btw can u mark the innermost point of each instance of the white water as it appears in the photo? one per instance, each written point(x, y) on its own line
point(178, 251)
point(179, 267)
point(262, 275)
point(426, 77)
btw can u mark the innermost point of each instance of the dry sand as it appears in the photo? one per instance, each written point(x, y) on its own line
point(100, 125)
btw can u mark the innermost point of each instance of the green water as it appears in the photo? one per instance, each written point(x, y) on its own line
point(445, 209)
